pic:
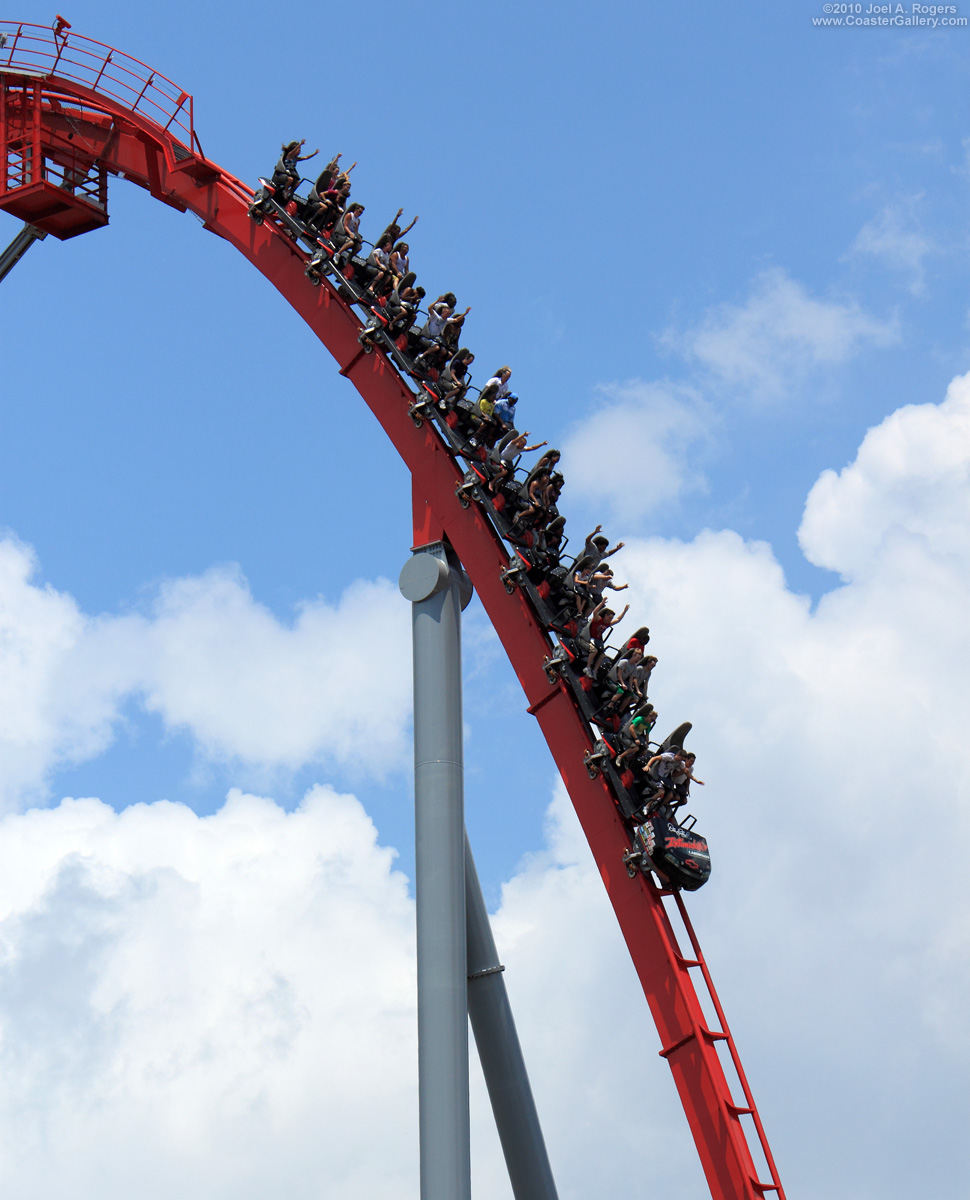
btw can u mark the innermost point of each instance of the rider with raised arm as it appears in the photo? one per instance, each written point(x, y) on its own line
point(286, 173)
point(507, 453)
point(601, 578)
point(596, 544)
point(317, 206)
point(394, 231)
point(601, 621)
point(438, 313)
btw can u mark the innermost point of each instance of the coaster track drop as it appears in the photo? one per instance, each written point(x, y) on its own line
point(74, 111)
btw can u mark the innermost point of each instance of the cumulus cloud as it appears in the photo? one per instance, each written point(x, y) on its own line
point(226, 1003)
point(834, 748)
point(778, 336)
point(210, 660)
point(205, 1007)
point(225, 1006)
point(646, 445)
point(641, 447)
point(895, 238)
point(907, 485)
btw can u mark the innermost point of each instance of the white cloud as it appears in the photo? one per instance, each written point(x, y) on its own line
point(197, 995)
point(834, 747)
point(778, 336)
point(210, 660)
point(39, 629)
point(907, 486)
point(204, 1007)
point(224, 1006)
point(894, 237)
point(646, 445)
point(642, 449)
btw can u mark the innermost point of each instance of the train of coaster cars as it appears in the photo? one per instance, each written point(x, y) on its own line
point(521, 505)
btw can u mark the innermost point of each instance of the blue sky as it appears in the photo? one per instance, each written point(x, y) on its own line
point(718, 247)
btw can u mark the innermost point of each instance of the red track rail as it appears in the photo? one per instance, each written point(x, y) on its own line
point(112, 124)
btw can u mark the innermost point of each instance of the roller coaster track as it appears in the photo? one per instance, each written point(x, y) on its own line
point(88, 111)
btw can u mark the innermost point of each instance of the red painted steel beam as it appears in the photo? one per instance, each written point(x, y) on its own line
point(133, 146)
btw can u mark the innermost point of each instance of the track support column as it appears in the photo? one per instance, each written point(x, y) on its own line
point(498, 1048)
point(19, 246)
point(438, 590)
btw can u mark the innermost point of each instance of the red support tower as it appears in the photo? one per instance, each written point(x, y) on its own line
point(59, 189)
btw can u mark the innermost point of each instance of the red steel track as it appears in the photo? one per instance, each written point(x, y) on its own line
point(76, 103)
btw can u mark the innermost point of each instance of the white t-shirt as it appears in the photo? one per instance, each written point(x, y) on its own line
point(436, 321)
point(501, 389)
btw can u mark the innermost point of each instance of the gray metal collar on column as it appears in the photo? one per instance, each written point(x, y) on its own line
point(427, 571)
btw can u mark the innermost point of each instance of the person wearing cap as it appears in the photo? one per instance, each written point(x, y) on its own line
point(505, 410)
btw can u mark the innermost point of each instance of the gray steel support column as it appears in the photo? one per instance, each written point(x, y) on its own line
point(438, 591)
point(18, 248)
point(501, 1055)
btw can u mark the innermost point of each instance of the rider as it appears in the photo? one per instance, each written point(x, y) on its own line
point(323, 184)
point(601, 621)
point(345, 237)
point(662, 771)
point(286, 173)
point(635, 732)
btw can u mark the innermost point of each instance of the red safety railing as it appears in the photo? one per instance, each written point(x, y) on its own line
point(53, 52)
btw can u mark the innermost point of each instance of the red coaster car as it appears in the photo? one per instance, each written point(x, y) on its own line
point(675, 852)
